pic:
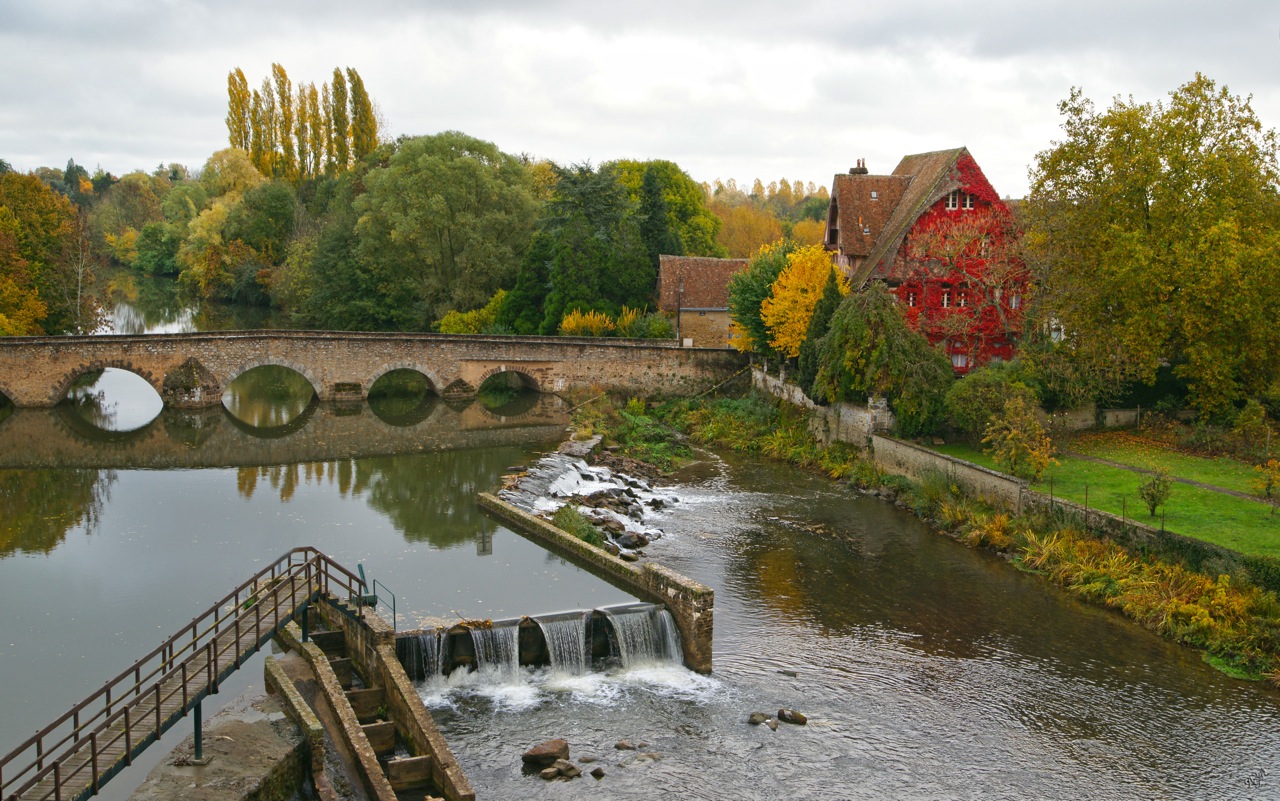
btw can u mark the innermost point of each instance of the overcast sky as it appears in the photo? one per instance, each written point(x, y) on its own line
point(725, 88)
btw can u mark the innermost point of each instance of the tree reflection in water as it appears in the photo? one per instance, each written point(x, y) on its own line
point(39, 507)
point(427, 497)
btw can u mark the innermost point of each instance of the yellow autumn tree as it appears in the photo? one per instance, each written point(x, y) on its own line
point(787, 310)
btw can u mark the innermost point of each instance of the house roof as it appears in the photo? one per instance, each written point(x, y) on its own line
point(917, 183)
point(695, 282)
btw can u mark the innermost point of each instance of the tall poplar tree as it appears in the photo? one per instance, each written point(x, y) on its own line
point(340, 124)
point(239, 103)
point(288, 164)
point(364, 123)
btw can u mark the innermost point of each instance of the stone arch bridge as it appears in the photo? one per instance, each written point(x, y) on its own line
point(192, 370)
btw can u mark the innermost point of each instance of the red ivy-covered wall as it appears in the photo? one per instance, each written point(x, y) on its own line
point(960, 280)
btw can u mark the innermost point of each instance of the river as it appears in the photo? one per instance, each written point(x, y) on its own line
point(927, 670)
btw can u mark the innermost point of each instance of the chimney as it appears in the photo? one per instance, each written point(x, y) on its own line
point(861, 169)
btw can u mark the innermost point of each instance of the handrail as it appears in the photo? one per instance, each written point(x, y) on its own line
point(197, 642)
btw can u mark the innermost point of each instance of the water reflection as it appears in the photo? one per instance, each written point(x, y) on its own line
point(402, 398)
point(269, 397)
point(113, 400)
point(146, 304)
point(428, 497)
point(39, 507)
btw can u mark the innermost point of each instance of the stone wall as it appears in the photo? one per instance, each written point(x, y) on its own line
point(707, 328)
point(839, 422)
point(193, 369)
point(690, 603)
point(915, 462)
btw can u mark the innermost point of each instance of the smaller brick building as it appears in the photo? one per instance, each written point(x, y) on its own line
point(694, 292)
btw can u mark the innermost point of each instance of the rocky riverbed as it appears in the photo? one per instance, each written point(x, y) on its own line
point(618, 504)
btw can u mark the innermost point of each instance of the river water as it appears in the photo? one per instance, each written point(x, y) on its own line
point(927, 670)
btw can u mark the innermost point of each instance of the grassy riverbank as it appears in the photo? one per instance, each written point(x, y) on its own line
point(1235, 624)
point(1245, 525)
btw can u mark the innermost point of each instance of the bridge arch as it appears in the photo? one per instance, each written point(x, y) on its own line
point(390, 367)
point(317, 386)
point(525, 380)
point(59, 390)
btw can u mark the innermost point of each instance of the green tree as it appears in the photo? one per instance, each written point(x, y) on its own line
point(287, 166)
point(749, 289)
point(870, 351)
point(977, 398)
point(589, 254)
point(1154, 229)
point(443, 225)
point(686, 204)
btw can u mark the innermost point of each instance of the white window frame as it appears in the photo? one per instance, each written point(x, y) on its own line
point(953, 200)
point(946, 298)
point(966, 202)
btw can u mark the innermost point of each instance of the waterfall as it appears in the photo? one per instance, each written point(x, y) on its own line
point(645, 634)
point(672, 651)
point(425, 654)
point(497, 648)
point(566, 638)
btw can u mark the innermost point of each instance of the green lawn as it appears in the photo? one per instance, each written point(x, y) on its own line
point(1127, 449)
point(1241, 525)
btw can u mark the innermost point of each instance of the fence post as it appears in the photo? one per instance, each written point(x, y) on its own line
point(199, 735)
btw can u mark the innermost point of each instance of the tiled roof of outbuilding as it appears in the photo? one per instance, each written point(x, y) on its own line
point(705, 281)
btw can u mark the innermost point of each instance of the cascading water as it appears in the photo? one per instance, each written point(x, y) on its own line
point(566, 638)
point(497, 649)
point(425, 656)
point(645, 634)
point(669, 636)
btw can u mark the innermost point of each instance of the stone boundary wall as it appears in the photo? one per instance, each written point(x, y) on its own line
point(690, 603)
point(839, 422)
point(915, 462)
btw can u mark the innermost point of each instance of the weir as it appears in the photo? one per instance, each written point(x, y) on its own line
point(625, 635)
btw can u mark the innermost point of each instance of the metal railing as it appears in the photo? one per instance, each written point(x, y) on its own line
point(74, 755)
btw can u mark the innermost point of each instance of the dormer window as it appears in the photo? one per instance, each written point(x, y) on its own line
point(866, 230)
point(874, 195)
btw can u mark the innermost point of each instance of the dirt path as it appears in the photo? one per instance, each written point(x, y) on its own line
point(1144, 471)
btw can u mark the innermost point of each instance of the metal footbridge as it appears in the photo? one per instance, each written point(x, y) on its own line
point(72, 757)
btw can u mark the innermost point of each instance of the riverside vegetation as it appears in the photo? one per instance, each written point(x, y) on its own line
point(1234, 623)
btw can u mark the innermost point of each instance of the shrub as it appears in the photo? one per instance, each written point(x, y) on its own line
point(1267, 484)
point(977, 398)
point(1157, 488)
point(586, 324)
point(1016, 440)
point(568, 519)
